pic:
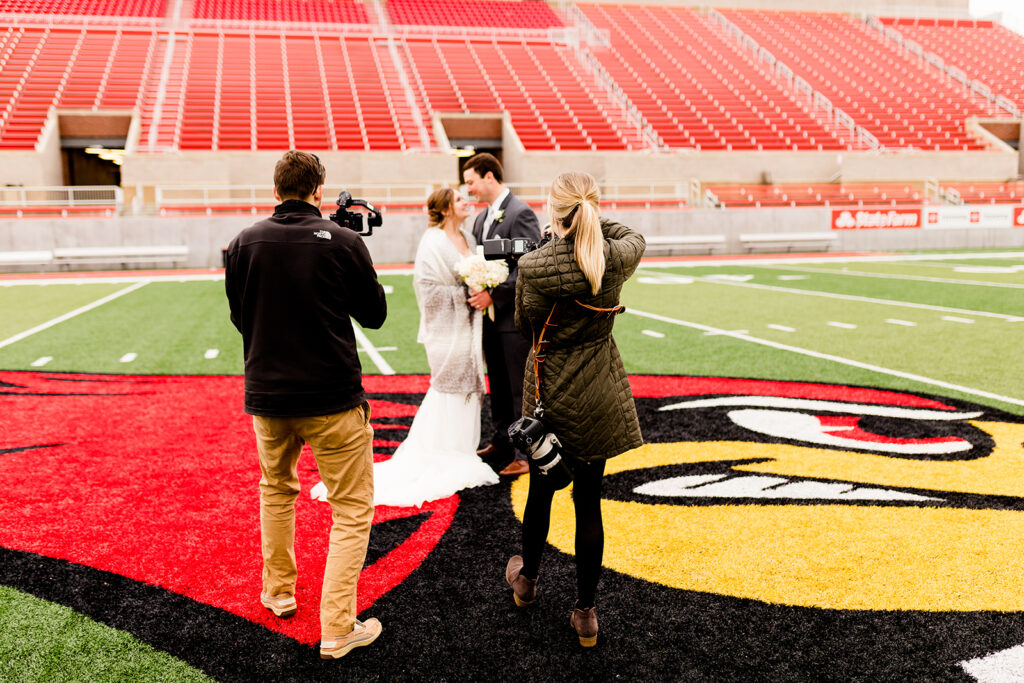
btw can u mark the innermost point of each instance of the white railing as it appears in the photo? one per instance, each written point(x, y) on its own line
point(63, 196)
point(971, 86)
point(643, 128)
point(685, 191)
point(833, 115)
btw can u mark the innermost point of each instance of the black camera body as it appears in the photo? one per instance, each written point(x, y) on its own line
point(531, 436)
point(508, 249)
point(353, 220)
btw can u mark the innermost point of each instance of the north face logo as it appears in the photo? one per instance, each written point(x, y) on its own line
point(322, 234)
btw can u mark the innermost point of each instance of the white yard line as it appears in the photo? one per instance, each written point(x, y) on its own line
point(919, 278)
point(67, 316)
point(129, 357)
point(904, 323)
point(372, 351)
point(865, 299)
point(652, 333)
point(40, 362)
point(655, 262)
point(825, 356)
point(843, 326)
point(781, 328)
point(954, 319)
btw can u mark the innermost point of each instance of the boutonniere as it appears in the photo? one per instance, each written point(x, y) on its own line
point(499, 216)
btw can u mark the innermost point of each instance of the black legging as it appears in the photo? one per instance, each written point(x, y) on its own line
point(586, 497)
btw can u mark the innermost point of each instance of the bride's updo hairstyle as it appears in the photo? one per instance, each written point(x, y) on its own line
point(573, 203)
point(439, 203)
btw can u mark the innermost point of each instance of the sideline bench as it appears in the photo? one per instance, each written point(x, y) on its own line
point(668, 243)
point(174, 253)
point(789, 240)
point(26, 258)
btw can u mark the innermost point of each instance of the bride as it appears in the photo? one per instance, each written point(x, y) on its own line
point(438, 457)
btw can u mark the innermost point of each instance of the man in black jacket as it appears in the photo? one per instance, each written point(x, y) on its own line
point(294, 281)
point(505, 347)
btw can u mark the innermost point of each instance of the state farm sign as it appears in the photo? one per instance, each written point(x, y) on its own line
point(1018, 216)
point(860, 219)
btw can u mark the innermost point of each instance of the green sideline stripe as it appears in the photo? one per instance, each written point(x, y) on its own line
point(43, 641)
point(830, 357)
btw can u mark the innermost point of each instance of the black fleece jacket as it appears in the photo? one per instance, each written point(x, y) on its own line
point(293, 280)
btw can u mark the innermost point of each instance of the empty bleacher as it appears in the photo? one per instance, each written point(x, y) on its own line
point(253, 91)
point(986, 193)
point(537, 83)
point(891, 94)
point(76, 68)
point(983, 50)
point(524, 14)
point(850, 194)
point(304, 11)
point(695, 87)
point(101, 8)
point(337, 79)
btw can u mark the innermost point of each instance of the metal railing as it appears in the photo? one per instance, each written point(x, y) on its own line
point(62, 196)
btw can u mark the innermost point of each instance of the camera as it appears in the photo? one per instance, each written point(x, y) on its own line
point(529, 435)
point(509, 249)
point(353, 220)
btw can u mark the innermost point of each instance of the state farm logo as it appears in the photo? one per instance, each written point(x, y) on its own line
point(848, 219)
point(1018, 217)
point(933, 217)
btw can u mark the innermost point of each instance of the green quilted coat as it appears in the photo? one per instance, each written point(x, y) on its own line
point(585, 392)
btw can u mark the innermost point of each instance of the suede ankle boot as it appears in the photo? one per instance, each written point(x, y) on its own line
point(524, 590)
point(585, 623)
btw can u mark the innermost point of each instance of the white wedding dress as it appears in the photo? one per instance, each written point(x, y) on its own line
point(438, 457)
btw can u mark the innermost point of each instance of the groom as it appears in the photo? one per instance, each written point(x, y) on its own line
point(505, 348)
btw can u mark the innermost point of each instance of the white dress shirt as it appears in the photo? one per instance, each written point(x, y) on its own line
point(495, 208)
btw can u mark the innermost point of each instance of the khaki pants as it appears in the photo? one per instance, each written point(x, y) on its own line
point(343, 446)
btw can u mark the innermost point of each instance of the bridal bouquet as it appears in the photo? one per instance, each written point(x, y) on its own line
point(479, 274)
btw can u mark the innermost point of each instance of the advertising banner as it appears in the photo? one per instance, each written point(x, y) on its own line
point(861, 218)
point(987, 216)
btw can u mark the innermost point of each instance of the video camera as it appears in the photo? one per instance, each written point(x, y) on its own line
point(353, 220)
point(510, 249)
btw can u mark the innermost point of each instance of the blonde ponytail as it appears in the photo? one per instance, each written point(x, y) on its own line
point(573, 203)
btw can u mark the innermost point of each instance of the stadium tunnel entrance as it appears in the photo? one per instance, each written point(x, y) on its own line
point(470, 134)
point(92, 146)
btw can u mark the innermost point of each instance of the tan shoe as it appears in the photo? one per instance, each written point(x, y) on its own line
point(515, 468)
point(524, 590)
point(283, 605)
point(362, 633)
point(585, 623)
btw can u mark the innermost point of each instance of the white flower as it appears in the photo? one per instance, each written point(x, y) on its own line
point(478, 273)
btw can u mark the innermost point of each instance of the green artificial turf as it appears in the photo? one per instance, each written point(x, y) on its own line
point(43, 641)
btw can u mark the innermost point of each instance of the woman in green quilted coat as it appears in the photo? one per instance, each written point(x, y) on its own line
point(585, 392)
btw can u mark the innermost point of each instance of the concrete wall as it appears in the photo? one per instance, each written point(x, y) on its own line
point(781, 167)
point(396, 242)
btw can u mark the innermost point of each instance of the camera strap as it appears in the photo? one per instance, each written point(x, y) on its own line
point(540, 343)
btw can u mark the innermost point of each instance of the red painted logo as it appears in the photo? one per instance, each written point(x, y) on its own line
point(155, 478)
